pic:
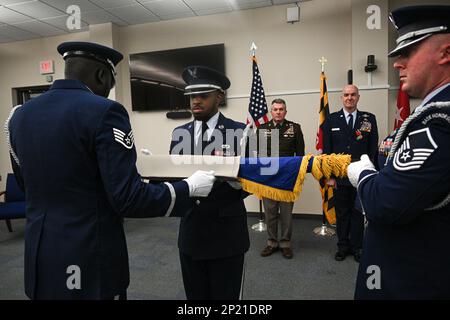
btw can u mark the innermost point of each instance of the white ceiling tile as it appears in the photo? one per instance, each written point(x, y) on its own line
point(28, 19)
point(8, 2)
point(134, 14)
point(85, 5)
point(35, 9)
point(251, 4)
point(10, 17)
point(245, 1)
point(16, 33)
point(177, 16)
point(275, 2)
point(207, 4)
point(40, 28)
point(61, 23)
point(96, 17)
point(204, 12)
point(166, 7)
point(113, 3)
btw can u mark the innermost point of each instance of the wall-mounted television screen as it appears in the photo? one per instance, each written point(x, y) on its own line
point(155, 77)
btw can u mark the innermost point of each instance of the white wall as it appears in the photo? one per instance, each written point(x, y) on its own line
point(288, 59)
point(19, 62)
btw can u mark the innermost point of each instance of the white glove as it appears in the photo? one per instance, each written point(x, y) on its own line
point(200, 183)
point(235, 184)
point(355, 169)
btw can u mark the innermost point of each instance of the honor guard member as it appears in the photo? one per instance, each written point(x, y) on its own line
point(407, 202)
point(354, 132)
point(214, 237)
point(73, 152)
point(290, 144)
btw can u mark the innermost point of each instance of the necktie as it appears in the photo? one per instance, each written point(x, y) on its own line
point(199, 143)
point(204, 136)
point(350, 121)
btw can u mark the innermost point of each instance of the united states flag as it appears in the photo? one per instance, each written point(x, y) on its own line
point(257, 108)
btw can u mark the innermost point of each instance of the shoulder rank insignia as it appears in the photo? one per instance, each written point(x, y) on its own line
point(127, 140)
point(415, 150)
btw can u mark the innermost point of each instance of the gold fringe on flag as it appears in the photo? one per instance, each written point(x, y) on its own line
point(262, 191)
point(324, 166)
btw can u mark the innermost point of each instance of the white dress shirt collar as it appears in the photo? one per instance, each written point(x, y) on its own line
point(346, 114)
point(211, 123)
point(430, 96)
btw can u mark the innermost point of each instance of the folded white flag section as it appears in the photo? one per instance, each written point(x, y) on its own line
point(158, 167)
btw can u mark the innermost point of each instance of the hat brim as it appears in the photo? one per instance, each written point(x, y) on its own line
point(200, 91)
point(406, 43)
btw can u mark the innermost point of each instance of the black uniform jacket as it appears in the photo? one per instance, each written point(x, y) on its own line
point(338, 138)
point(217, 226)
point(73, 152)
point(407, 205)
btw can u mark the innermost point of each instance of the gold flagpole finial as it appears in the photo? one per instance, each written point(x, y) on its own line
point(322, 62)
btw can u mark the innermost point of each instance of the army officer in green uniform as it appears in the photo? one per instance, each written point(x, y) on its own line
point(290, 143)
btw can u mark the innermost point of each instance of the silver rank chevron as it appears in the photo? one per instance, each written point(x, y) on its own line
point(127, 140)
point(415, 150)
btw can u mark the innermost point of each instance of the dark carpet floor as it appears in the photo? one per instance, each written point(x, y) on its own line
point(155, 270)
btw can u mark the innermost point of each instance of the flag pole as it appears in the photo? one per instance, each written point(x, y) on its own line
point(260, 226)
point(323, 230)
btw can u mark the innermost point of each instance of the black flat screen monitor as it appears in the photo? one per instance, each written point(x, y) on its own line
point(156, 83)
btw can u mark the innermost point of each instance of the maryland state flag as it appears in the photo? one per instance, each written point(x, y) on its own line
point(327, 192)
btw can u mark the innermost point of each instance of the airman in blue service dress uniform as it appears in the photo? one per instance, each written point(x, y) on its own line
point(73, 153)
point(356, 137)
point(407, 202)
point(214, 237)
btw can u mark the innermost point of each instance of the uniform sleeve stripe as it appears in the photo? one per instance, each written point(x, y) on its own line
point(422, 154)
point(408, 168)
point(173, 196)
point(365, 177)
point(116, 136)
point(410, 163)
point(118, 132)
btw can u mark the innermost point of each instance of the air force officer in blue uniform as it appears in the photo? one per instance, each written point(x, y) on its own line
point(350, 131)
point(73, 152)
point(214, 237)
point(407, 202)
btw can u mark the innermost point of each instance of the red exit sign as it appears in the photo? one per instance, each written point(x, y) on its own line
point(46, 67)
